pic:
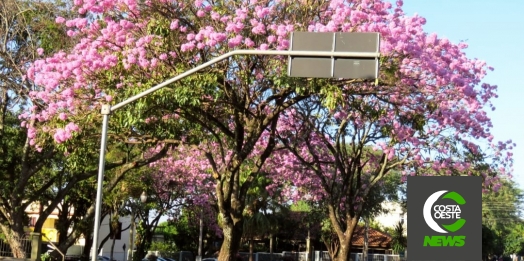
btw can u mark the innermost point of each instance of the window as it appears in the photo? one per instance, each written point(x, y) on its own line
point(401, 217)
point(32, 221)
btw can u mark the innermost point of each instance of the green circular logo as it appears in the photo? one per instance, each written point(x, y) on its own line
point(434, 211)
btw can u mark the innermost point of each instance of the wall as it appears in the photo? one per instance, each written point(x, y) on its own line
point(118, 251)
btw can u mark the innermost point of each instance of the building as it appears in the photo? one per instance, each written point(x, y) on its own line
point(393, 215)
point(49, 231)
point(122, 239)
point(378, 242)
point(50, 234)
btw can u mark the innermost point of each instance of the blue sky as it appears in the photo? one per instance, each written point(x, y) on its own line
point(494, 31)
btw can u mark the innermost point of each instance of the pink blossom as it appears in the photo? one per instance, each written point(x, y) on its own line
point(261, 12)
point(259, 29)
point(131, 59)
point(61, 135)
point(249, 42)
point(187, 47)
point(233, 42)
point(62, 116)
point(174, 24)
point(72, 127)
point(219, 37)
point(154, 62)
point(215, 15)
point(60, 20)
point(281, 30)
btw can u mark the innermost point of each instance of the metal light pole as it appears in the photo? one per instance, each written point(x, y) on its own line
point(315, 55)
point(131, 235)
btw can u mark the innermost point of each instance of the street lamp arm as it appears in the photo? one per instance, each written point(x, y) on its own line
point(243, 52)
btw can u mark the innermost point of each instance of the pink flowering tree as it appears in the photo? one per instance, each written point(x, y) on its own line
point(30, 176)
point(231, 110)
point(125, 47)
point(187, 168)
point(426, 116)
point(173, 185)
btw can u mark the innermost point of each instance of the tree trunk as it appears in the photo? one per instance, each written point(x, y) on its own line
point(200, 234)
point(271, 247)
point(232, 236)
point(140, 249)
point(14, 239)
point(14, 233)
point(115, 227)
point(87, 247)
point(343, 252)
point(308, 246)
point(16, 247)
point(251, 246)
point(112, 247)
point(3, 109)
point(366, 240)
point(143, 242)
point(344, 239)
point(231, 204)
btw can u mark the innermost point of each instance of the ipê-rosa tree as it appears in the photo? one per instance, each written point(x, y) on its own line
point(126, 46)
point(426, 116)
point(28, 175)
point(188, 168)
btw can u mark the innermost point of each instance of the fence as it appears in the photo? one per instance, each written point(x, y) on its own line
point(5, 249)
point(377, 257)
point(316, 256)
point(30, 244)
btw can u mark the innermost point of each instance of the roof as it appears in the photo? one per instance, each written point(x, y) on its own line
point(377, 239)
